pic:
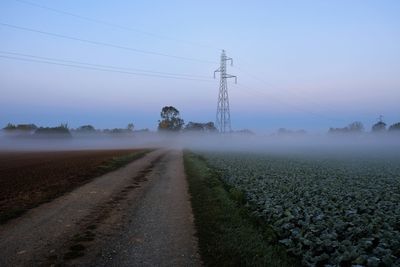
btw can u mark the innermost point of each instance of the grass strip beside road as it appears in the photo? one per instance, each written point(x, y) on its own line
point(228, 235)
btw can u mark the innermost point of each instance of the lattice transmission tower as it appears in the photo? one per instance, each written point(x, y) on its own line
point(223, 120)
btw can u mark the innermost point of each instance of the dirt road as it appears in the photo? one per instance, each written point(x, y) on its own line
point(29, 178)
point(139, 215)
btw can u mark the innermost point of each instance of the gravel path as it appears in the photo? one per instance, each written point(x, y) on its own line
point(139, 215)
point(161, 231)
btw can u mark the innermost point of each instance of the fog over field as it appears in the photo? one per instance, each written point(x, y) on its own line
point(368, 145)
point(200, 133)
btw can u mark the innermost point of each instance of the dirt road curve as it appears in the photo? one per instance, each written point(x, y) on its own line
point(139, 215)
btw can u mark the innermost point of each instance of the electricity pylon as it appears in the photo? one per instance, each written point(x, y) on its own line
point(223, 121)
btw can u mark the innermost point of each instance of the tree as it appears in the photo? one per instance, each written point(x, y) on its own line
point(201, 127)
point(210, 127)
point(245, 132)
point(380, 126)
point(356, 127)
point(130, 127)
point(170, 120)
point(395, 127)
point(145, 130)
point(10, 126)
point(338, 130)
point(86, 129)
point(194, 126)
point(27, 128)
point(61, 130)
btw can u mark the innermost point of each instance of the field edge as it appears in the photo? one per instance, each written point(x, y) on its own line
point(228, 235)
point(110, 165)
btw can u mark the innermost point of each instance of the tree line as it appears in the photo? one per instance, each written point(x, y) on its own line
point(171, 121)
point(64, 130)
point(358, 127)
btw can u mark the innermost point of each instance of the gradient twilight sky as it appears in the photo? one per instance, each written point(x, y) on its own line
point(300, 64)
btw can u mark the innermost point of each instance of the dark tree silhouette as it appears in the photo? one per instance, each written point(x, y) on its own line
point(395, 127)
point(86, 129)
point(356, 127)
point(10, 127)
point(20, 127)
point(380, 126)
point(245, 132)
point(61, 130)
point(170, 119)
point(201, 127)
point(130, 127)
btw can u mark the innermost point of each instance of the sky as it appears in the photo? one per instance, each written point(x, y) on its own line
point(300, 64)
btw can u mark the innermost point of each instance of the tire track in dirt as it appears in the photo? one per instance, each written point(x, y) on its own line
point(102, 222)
point(41, 235)
point(159, 231)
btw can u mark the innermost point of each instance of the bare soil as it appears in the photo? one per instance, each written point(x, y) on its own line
point(138, 215)
point(28, 179)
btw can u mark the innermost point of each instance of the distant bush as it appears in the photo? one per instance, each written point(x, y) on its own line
point(380, 126)
point(395, 127)
point(120, 131)
point(244, 132)
point(10, 127)
point(354, 127)
point(61, 130)
point(145, 130)
point(200, 127)
point(86, 129)
point(20, 127)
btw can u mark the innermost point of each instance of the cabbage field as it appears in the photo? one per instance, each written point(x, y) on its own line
point(327, 211)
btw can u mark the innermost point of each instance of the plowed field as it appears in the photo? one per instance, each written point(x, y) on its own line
point(28, 179)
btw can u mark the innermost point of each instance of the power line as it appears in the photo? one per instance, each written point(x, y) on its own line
point(122, 27)
point(104, 66)
point(100, 69)
point(274, 86)
point(93, 67)
point(261, 93)
point(104, 44)
point(263, 82)
point(110, 24)
point(112, 45)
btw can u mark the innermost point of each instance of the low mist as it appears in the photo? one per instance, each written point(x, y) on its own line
point(368, 145)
